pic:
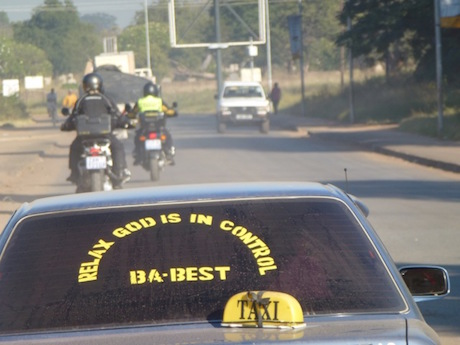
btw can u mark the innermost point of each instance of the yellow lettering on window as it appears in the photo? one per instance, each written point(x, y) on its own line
point(121, 232)
point(137, 277)
point(133, 226)
point(206, 273)
point(147, 222)
point(222, 271)
point(155, 276)
point(87, 277)
point(192, 274)
point(201, 219)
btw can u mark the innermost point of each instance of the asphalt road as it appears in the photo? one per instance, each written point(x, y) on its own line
point(413, 208)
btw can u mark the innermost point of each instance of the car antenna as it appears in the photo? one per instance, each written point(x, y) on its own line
point(346, 180)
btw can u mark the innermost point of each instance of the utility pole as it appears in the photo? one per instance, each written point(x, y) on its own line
point(437, 18)
point(218, 50)
point(147, 38)
point(301, 60)
point(351, 67)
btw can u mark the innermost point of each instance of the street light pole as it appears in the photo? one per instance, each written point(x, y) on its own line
point(147, 38)
point(269, 48)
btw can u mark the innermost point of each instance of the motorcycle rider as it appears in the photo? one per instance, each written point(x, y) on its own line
point(152, 103)
point(93, 103)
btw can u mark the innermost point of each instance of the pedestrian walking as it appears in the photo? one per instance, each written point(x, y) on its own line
point(51, 105)
point(275, 96)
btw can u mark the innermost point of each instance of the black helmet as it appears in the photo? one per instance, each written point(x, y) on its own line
point(92, 82)
point(150, 89)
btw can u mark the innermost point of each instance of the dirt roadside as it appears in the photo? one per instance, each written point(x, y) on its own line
point(31, 157)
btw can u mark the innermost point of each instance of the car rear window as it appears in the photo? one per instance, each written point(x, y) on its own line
point(243, 91)
point(174, 263)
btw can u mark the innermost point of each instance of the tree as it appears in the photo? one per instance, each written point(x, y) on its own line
point(56, 29)
point(239, 21)
point(20, 59)
point(5, 26)
point(396, 32)
point(162, 55)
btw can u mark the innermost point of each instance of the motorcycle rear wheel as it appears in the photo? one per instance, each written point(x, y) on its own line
point(97, 181)
point(154, 169)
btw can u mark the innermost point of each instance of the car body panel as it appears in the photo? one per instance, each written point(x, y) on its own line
point(333, 330)
point(316, 333)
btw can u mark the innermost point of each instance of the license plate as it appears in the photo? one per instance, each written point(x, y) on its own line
point(243, 116)
point(96, 162)
point(153, 144)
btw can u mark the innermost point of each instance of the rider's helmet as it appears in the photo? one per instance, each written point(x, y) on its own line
point(150, 89)
point(92, 82)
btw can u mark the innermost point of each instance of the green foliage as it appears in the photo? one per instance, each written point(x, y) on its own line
point(21, 59)
point(323, 55)
point(426, 69)
point(11, 108)
point(133, 38)
point(57, 30)
point(4, 20)
point(320, 30)
point(6, 31)
point(239, 22)
point(191, 24)
point(399, 32)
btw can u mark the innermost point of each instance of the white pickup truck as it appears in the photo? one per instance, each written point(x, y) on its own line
point(242, 102)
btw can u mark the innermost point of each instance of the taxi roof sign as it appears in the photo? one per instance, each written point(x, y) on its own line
point(263, 309)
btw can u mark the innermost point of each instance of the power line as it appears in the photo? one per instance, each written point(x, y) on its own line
point(113, 4)
point(123, 4)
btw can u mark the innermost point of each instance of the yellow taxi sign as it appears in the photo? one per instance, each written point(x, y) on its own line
point(263, 309)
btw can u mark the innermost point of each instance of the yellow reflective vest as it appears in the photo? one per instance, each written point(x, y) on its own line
point(150, 103)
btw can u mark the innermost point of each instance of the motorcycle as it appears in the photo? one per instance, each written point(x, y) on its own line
point(95, 166)
point(152, 140)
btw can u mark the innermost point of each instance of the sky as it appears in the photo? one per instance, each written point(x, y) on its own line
point(123, 10)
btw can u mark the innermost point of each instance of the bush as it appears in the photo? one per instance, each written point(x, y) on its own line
point(11, 108)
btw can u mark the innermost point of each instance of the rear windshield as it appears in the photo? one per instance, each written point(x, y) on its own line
point(161, 264)
point(243, 91)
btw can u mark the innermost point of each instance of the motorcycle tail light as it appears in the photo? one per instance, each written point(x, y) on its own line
point(152, 135)
point(95, 151)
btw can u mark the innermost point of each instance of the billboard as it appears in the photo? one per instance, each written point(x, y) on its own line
point(295, 34)
point(181, 26)
point(34, 82)
point(10, 87)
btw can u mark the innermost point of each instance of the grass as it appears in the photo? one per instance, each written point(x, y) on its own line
point(192, 97)
point(401, 101)
point(374, 101)
point(429, 125)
